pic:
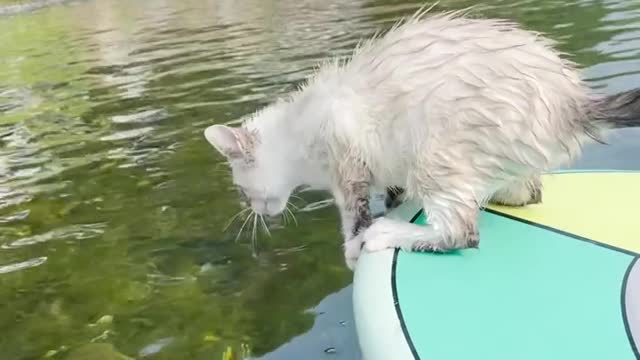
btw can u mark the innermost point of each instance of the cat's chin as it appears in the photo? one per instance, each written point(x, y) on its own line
point(271, 209)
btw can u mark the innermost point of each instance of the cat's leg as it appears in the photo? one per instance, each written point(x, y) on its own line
point(353, 204)
point(519, 193)
point(351, 194)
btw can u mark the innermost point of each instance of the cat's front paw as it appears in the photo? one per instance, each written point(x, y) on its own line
point(352, 249)
point(380, 235)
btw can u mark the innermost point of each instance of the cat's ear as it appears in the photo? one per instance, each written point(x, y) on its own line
point(230, 142)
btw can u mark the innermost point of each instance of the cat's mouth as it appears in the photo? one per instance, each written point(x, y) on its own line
point(270, 207)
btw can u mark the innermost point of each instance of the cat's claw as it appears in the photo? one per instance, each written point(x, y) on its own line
point(389, 234)
point(379, 236)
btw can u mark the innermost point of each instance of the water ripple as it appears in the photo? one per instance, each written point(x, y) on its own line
point(4, 269)
point(75, 232)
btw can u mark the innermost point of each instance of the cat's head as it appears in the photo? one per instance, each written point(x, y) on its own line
point(262, 165)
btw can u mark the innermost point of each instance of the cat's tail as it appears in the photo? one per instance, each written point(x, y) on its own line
point(621, 110)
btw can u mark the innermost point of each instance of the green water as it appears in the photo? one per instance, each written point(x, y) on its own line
point(112, 205)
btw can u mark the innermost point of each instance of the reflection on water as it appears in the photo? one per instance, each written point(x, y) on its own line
point(112, 204)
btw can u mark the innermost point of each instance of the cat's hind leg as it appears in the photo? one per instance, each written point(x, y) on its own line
point(393, 197)
point(519, 193)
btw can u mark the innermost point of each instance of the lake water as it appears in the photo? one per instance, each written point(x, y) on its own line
point(112, 204)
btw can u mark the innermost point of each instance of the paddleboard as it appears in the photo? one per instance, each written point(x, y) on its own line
point(556, 280)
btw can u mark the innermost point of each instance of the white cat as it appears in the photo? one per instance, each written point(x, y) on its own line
point(455, 111)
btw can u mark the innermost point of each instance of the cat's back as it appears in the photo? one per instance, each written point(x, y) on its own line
point(427, 50)
point(484, 78)
point(429, 74)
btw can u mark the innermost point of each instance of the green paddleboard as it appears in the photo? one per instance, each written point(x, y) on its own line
point(557, 280)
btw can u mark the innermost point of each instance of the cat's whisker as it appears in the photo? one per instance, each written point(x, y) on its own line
point(292, 215)
point(246, 220)
point(254, 240)
point(264, 224)
point(299, 198)
point(234, 217)
point(292, 205)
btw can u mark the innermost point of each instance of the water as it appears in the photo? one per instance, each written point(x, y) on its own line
point(112, 205)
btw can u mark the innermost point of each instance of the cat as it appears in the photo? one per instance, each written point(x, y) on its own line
point(452, 111)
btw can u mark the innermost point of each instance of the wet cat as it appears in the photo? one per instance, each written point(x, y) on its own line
point(455, 111)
